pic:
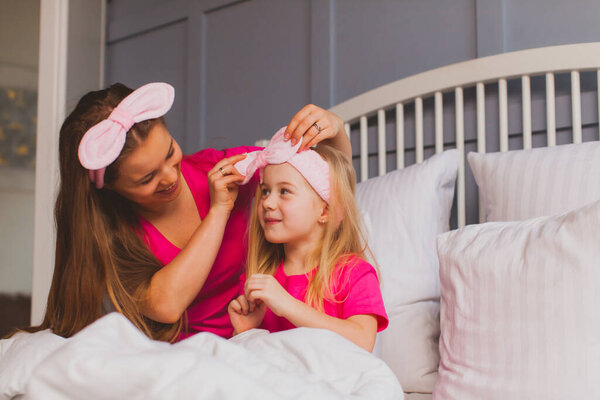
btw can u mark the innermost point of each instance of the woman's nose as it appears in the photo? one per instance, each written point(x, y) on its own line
point(169, 174)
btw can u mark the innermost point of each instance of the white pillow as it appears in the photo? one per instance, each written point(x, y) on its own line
point(404, 211)
point(523, 184)
point(519, 311)
point(19, 357)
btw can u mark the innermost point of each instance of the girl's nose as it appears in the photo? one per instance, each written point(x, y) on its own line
point(268, 202)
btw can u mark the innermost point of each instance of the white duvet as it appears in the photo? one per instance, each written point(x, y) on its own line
point(111, 359)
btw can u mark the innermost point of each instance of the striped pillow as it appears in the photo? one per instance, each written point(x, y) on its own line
point(523, 184)
point(404, 211)
point(519, 309)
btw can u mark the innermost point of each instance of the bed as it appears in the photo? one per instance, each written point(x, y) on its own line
point(520, 132)
point(470, 248)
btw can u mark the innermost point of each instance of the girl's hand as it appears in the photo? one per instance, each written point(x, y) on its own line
point(265, 288)
point(304, 125)
point(245, 315)
point(222, 181)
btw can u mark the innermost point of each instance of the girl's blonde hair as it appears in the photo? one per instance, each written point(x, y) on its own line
point(343, 239)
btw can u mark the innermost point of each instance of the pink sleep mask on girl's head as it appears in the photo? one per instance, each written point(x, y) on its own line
point(308, 162)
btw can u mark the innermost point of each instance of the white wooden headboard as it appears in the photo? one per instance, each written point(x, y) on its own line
point(479, 74)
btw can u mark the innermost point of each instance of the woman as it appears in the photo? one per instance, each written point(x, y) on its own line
point(145, 231)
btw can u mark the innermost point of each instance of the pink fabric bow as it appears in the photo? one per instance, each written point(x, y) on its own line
point(308, 162)
point(102, 143)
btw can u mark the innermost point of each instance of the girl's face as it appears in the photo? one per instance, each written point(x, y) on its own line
point(150, 175)
point(290, 210)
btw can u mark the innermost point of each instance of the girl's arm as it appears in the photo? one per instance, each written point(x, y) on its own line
point(174, 287)
point(360, 329)
point(332, 129)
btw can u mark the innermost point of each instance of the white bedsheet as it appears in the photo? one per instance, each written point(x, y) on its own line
point(111, 359)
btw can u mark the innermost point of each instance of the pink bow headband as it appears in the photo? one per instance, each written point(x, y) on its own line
point(103, 142)
point(308, 162)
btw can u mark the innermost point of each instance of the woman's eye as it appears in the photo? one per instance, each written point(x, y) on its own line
point(170, 153)
point(147, 181)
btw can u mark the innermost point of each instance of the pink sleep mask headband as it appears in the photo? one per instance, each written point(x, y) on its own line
point(103, 142)
point(308, 162)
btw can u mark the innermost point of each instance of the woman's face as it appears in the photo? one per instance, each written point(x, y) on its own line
point(150, 175)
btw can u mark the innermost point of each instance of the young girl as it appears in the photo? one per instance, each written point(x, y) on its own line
point(305, 258)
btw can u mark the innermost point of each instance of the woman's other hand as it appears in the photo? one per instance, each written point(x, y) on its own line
point(314, 125)
point(222, 181)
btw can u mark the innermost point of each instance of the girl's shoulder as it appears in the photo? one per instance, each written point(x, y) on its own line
point(351, 266)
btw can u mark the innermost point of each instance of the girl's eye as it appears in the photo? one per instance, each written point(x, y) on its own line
point(265, 192)
point(284, 191)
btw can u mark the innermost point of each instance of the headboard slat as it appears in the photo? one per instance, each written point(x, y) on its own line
point(460, 145)
point(399, 136)
point(576, 106)
point(526, 111)
point(419, 129)
point(481, 148)
point(381, 148)
point(439, 122)
point(550, 110)
point(364, 149)
point(503, 109)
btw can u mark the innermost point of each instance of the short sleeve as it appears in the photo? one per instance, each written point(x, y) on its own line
point(364, 294)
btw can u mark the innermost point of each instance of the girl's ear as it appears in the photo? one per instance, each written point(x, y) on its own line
point(324, 214)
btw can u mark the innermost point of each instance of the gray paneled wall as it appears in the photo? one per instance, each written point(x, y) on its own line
point(242, 68)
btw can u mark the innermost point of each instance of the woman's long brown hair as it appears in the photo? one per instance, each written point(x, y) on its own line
point(100, 256)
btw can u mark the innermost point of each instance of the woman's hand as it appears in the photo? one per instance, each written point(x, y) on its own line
point(265, 288)
point(222, 181)
point(245, 315)
point(314, 125)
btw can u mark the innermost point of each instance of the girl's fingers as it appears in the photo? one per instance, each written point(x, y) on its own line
point(255, 295)
point(245, 305)
point(235, 306)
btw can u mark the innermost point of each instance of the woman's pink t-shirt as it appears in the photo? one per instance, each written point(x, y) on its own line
point(355, 287)
point(208, 311)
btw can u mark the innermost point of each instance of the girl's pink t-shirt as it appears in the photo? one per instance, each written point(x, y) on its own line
point(208, 311)
point(355, 287)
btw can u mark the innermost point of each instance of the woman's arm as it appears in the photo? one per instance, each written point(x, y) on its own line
point(175, 286)
point(331, 131)
point(360, 329)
